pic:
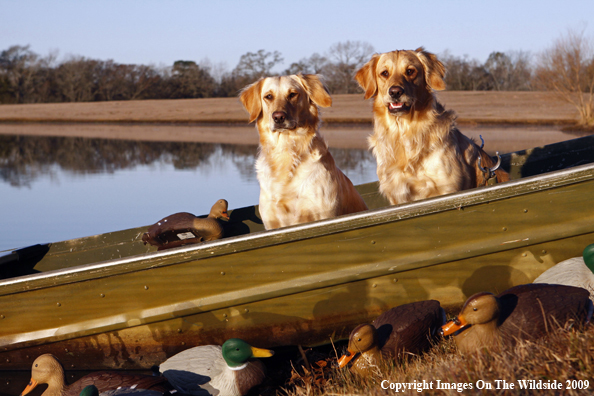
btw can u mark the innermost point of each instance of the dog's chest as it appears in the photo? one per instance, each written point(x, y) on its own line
point(433, 173)
point(297, 180)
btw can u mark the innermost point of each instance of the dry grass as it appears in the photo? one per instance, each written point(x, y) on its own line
point(471, 106)
point(564, 355)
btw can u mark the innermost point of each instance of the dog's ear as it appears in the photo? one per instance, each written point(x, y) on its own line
point(250, 98)
point(365, 76)
point(316, 90)
point(434, 69)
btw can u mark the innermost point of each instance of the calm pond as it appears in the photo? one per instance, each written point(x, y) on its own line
point(54, 188)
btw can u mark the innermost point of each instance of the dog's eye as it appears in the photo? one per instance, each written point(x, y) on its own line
point(292, 95)
point(268, 97)
point(410, 72)
point(384, 73)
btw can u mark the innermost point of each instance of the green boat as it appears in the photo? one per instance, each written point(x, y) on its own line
point(111, 302)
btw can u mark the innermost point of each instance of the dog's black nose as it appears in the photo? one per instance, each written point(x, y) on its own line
point(395, 92)
point(279, 117)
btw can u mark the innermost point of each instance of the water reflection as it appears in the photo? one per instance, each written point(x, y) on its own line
point(57, 188)
point(26, 158)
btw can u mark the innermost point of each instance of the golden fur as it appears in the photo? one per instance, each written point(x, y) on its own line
point(299, 181)
point(420, 152)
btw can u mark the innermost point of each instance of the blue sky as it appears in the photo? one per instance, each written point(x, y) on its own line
point(161, 32)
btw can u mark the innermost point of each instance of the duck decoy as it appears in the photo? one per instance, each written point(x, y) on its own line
point(226, 370)
point(406, 329)
point(91, 390)
point(577, 271)
point(184, 228)
point(525, 312)
point(47, 369)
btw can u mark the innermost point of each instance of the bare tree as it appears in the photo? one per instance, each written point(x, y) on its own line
point(191, 81)
point(509, 71)
point(257, 65)
point(463, 74)
point(568, 69)
point(345, 58)
point(77, 79)
point(315, 64)
point(18, 66)
point(216, 70)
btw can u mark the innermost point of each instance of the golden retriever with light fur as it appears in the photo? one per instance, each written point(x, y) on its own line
point(419, 150)
point(299, 181)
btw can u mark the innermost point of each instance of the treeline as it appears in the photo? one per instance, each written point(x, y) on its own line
point(26, 77)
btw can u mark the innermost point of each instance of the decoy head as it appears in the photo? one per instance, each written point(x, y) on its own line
point(89, 390)
point(219, 209)
point(237, 352)
point(362, 339)
point(46, 368)
point(588, 256)
point(480, 308)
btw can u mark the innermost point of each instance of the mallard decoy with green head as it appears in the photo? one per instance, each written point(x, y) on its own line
point(227, 370)
point(577, 271)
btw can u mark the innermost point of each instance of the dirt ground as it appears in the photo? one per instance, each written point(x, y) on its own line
point(346, 124)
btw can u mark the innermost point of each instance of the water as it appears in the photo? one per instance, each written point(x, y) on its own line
point(58, 188)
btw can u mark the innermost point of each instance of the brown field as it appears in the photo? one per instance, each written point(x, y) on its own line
point(472, 107)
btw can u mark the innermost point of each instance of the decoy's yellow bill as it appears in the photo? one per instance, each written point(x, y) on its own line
point(345, 359)
point(30, 386)
point(261, 353)
point(454, 325)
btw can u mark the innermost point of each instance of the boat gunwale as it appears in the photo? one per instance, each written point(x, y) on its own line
point(266, 238)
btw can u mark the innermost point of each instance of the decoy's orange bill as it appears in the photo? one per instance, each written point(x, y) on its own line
point(261, 353)
point(32, 384)
point(345, 359)
point(454, 325)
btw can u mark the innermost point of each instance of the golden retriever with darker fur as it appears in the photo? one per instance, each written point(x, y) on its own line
point(299, 181)
point(419, 150)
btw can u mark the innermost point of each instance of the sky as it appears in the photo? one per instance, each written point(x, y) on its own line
point(158, 33)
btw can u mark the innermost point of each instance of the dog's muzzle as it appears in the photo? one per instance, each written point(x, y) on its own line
point(281, 122)
point(397, 105)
